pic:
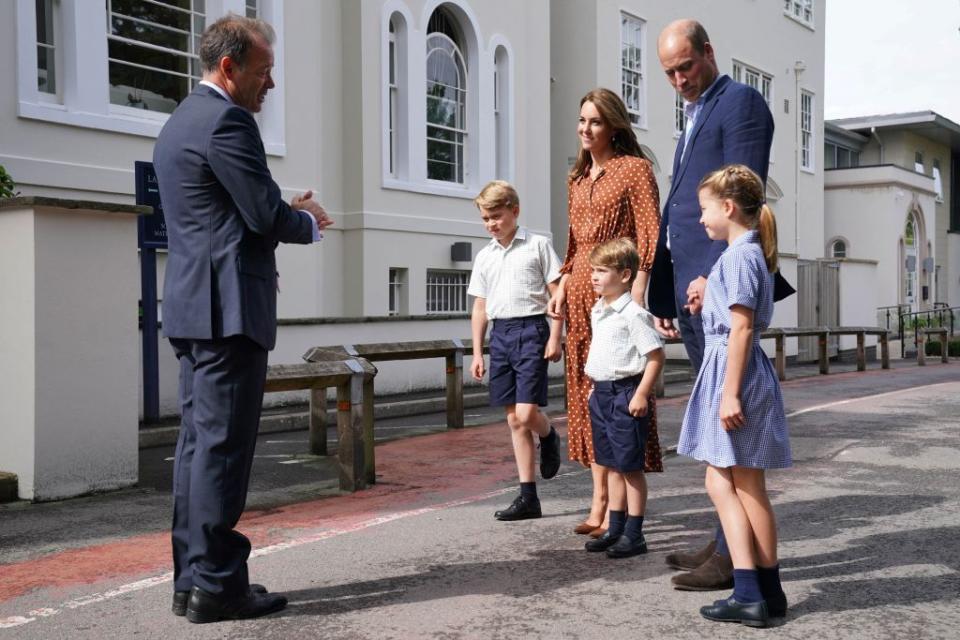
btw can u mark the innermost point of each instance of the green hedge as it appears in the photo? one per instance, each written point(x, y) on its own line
point(953, 348)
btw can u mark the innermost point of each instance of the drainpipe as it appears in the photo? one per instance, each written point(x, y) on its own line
point(876, 136)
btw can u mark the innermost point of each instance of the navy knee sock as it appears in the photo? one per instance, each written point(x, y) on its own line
point(529, 491)
point(634, 527)
point(769, 578)
point(746, 587)
point(617, 523)
point(721, 539)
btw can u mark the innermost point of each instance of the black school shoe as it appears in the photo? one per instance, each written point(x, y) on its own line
point(777, 605)
point(180, 598)
point(520, 509)
point(751, 614)
point(602, 543)
point(550, 454)
point(205, 607)
point(624, 547)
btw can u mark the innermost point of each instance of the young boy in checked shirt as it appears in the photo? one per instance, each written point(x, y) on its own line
point(513, 278)
point(626, 356)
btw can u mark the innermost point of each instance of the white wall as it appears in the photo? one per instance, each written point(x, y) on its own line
point(858, 298)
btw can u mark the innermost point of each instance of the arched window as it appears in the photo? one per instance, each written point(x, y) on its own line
point(839, 249)
point(446, 99)
point(501, 113)
point(395, 97)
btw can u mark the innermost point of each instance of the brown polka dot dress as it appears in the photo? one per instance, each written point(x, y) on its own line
point(623, 201)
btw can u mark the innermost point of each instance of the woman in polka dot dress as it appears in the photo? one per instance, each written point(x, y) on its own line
point(612, 193)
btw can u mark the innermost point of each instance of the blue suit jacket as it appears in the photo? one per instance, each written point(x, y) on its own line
point(734, 126)
point(224, 217)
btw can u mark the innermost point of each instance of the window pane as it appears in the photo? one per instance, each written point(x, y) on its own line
point(151, 46)
point(46, 70)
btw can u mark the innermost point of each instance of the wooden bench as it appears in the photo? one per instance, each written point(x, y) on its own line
point(353, 379)
point(924, 336)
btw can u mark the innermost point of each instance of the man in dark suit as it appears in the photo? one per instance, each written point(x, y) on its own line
point(726, 122)
point(224, 217)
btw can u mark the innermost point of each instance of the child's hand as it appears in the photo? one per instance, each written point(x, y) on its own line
point(638, 405)
point(731, 413)
point(553, 352)
point(476, 368)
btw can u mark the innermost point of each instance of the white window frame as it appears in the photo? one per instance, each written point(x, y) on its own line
point(461, 134)
point(503, 114)
point(397, 298)
point(759, 80)
point(833, 248)
point(83, 72)
point(56, 96)
point(937, 180)
point(449, 287)
point(679, 116)
point(638, 27)
point(800, 11)
point(807, 141)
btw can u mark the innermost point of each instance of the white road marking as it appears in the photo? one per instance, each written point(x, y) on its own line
point(140, 585)
point(837, 403)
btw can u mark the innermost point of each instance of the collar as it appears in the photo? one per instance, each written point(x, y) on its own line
point(750, 236)
point(223, 92)
point(520, 235)
point(612, 164)
point(617, 305)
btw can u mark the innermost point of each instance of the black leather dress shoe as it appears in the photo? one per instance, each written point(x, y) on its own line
point(624, 547)
point(752, 614)
point(602, 543)
point(520, 509)
point(180, 599)
point(550, 454)
point(205, 607)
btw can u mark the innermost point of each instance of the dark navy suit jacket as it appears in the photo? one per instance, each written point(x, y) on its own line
point(224, 217)
point(734, 126)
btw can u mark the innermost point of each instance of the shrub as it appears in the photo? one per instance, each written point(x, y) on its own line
point(953, 348)
point(7, 184)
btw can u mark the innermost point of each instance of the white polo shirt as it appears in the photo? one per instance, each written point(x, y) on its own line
point(513, 279)
point(623, 335)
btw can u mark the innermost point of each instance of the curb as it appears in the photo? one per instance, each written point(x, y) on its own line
point(8, 487)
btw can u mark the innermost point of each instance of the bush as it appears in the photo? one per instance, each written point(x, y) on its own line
point(7, 185)
point(953, 348)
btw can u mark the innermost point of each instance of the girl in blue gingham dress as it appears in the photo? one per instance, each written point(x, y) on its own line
point(735, 419)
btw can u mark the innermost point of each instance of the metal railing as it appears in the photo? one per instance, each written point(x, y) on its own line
point(912, 324)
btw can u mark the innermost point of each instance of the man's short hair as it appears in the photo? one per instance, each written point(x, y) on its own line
point(497, 194)
point(619, 254)
point(697, 36)
point(232, 36)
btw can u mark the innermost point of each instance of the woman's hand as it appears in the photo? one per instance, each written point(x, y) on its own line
point(557, 306)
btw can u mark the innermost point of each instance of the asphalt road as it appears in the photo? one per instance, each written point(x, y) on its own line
point(869, 522)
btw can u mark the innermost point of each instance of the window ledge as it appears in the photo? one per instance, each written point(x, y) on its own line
point(799, 21)
point(115, 121)
point(809, 170)
point(431, 188)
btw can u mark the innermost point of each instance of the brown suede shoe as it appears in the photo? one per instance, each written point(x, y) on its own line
point(715, 573)
point(596, 533)
point(584, 528)
point(687, 560)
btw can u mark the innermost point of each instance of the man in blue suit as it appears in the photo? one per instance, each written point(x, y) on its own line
point(726, 122)
point(224, 217)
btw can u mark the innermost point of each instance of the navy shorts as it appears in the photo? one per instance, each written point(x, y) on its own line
point(619, 439)
point(518, 370)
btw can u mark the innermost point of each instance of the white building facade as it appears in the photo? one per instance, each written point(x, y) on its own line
point(396, 113)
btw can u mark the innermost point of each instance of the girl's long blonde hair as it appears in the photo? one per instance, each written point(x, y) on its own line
point(614, 113)
point(744, 187)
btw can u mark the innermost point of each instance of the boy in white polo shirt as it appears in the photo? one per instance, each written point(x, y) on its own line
point(513, 278)
point(626, 356)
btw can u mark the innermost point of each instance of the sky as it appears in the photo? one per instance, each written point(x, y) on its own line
point(892, 56)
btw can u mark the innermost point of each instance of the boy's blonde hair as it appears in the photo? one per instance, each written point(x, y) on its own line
point(497, 194)
point(617, 254)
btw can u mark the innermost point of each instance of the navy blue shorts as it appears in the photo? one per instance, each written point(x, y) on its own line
point(518, 370)
point(619, 439)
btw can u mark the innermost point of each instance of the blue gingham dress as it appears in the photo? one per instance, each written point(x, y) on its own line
point(739, 277)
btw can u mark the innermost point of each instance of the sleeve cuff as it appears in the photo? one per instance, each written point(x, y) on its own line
point(317, 234)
